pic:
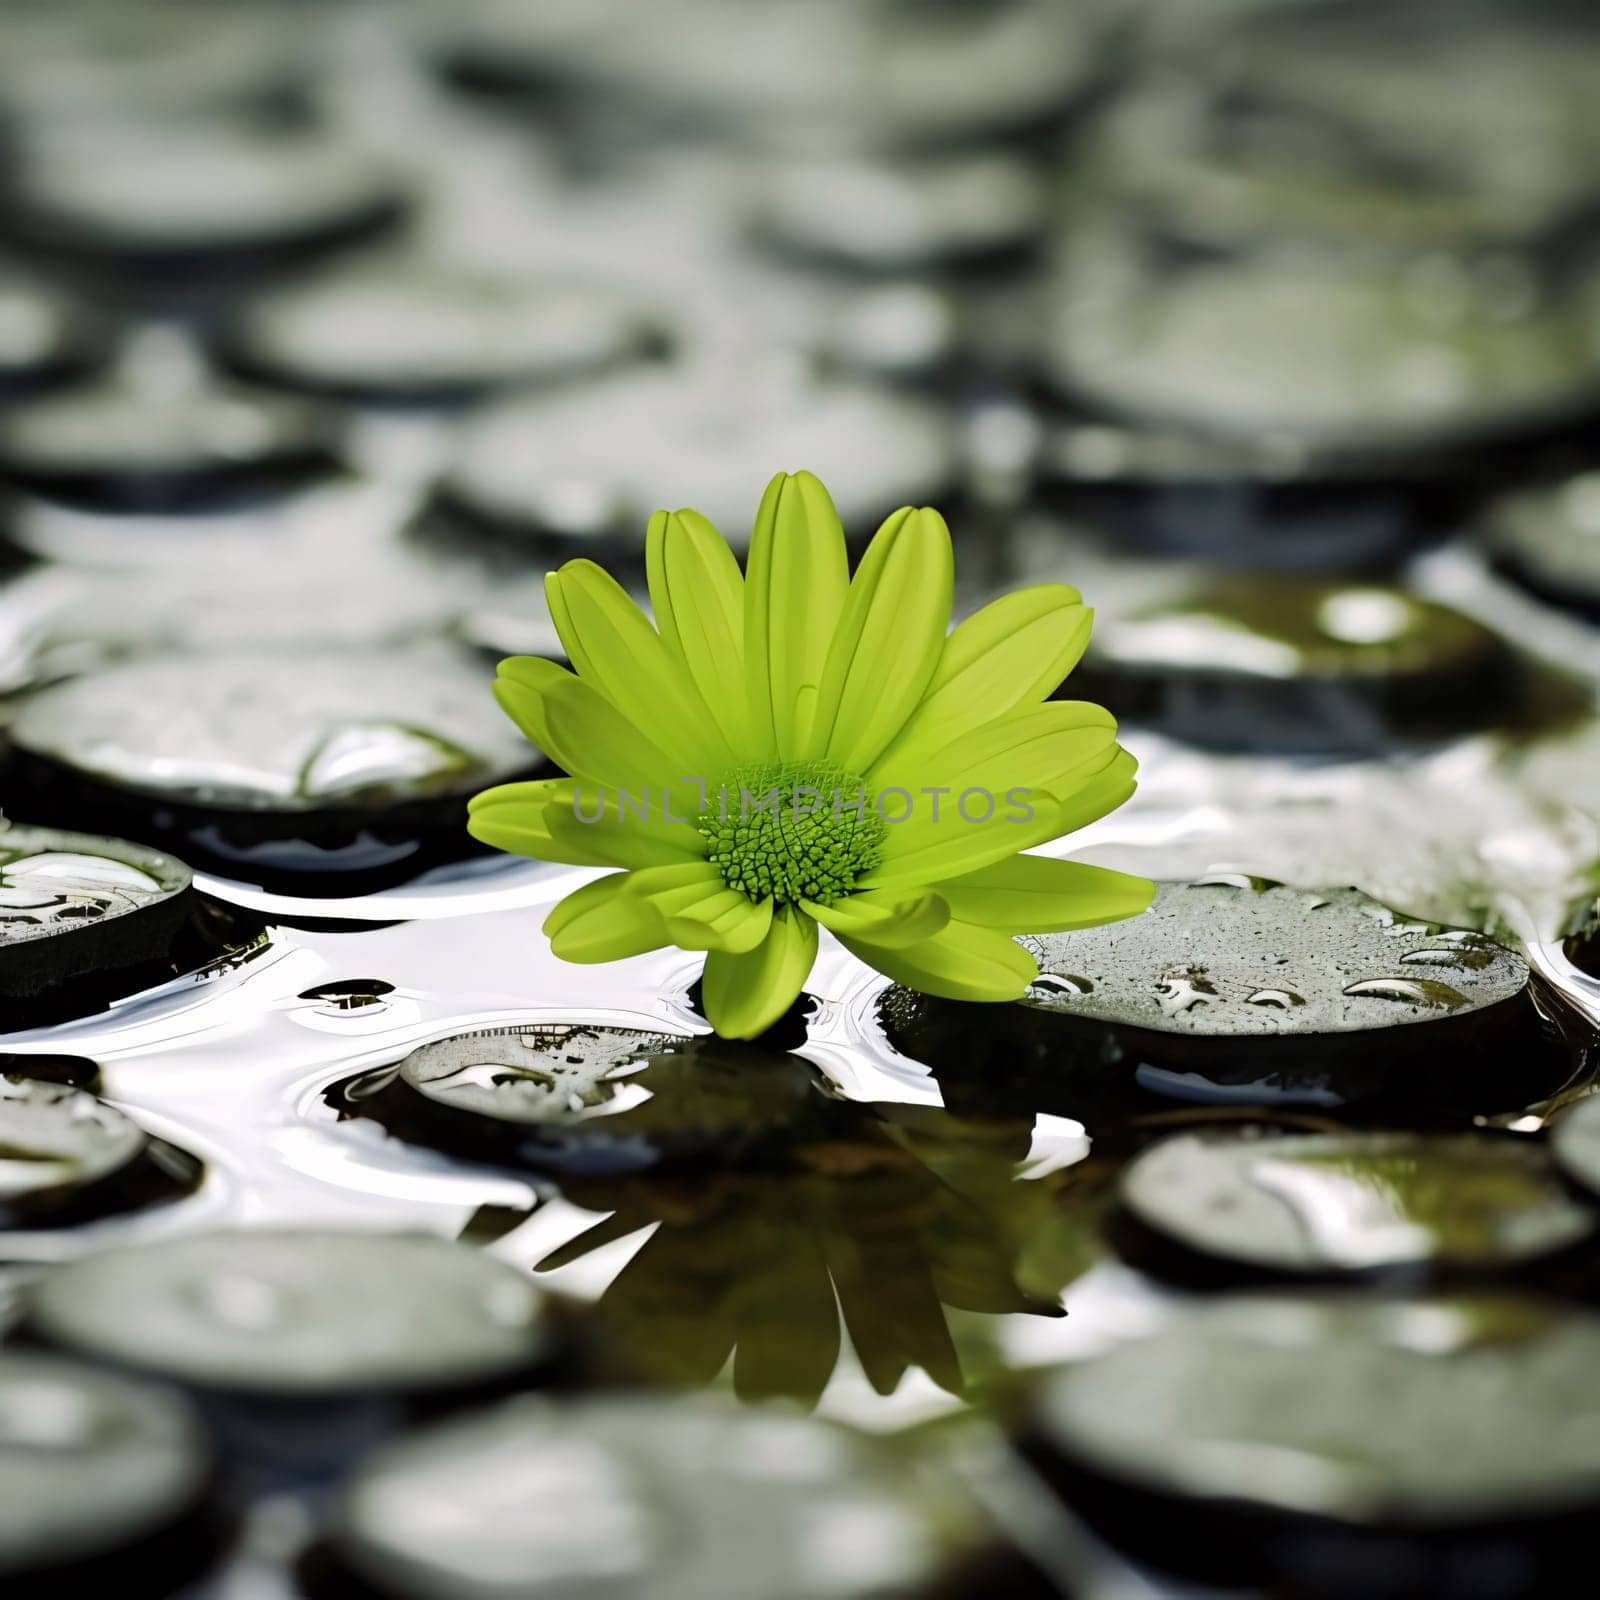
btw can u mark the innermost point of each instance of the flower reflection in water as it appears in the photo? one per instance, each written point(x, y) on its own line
point(895, 1217)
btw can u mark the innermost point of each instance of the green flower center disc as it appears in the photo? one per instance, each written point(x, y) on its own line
point(794, 830)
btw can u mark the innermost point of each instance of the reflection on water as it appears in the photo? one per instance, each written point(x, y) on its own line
point(770, 1222)
point(882, 1228)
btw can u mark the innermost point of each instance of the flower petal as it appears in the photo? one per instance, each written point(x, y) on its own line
point(1026, 747)
point(795, 586)
point(524, 830)
point(890, 917)
point(744, 995)
point(732, 926)
point(1102, 794)
point(701, 912)
point(611, 643)
point(623, 839)
point(999, 776)
point(556, 819)
point(961, 962)
point(534, 792)
point(603, 922)
point(964, 847)
point(667, 880)
point(888, 641)
point(580, 729)
point(1013, 652)
point(517, 686)
point(697, 593)
point(1037, 894)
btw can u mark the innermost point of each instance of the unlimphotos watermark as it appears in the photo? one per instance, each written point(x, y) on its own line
point(592, 803)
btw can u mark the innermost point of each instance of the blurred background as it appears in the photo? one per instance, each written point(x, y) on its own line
point(374, 311)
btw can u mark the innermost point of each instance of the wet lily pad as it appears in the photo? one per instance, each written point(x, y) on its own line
point(58, 1145)
point(1355, 1204)
point(905, 216)
point(192, 210)
point(960, 76)
point(398, 332)
point(581, 472)
point(1294, 1438)
point(590, 1098)
point(95, 64)
point(1298, 664)
point(299, 1315)
point(1548, 540)
point(1180, 493)
point(1575, 1140)
point(43, 339)
point(81, 916)
point(1438, 108)
point(1336, 361)
point(1213, 171)
point(1243, 990)
point(327, 771)
point(102, 1482)
point(67, 1158)
point(115, 447)
point(613, 1496)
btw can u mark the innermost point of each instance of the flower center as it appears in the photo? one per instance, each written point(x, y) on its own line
point(795, 830)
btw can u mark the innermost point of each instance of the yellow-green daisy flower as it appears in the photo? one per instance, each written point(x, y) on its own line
point(792, 746)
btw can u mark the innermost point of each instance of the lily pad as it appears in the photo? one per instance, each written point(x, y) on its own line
point(1548, 540)
point(579, 472)
point(117, 448)
point(1298, 664)
point(402, 332)
point(1239, 989)
point(886, 217)
point(57, 1146)
point(1287, 1438)
point(43, 339)
point(1575, 1140)
point(616, 1495)
point(101, 1479)
point(1173, 492)
point(590, 1098)
point(77, 909)
point(1334, 361)
point(1356, 1203)
point(328, 770)
point(299, 1315)
point(835, 73)
point(180, 210)
point(1212, 171)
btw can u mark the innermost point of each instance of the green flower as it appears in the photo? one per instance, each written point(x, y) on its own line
point(790, 746)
